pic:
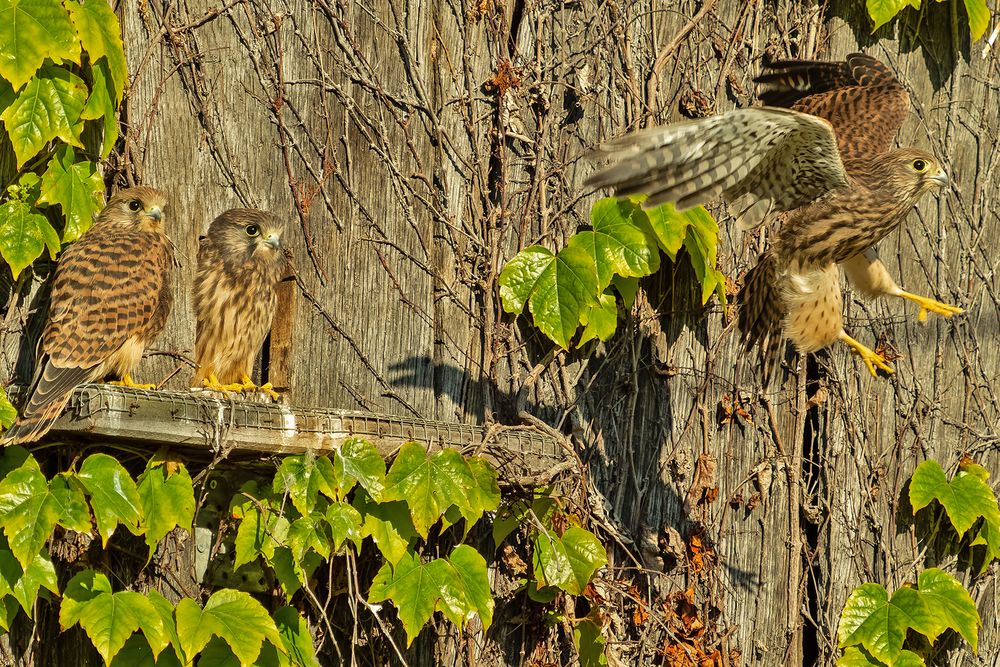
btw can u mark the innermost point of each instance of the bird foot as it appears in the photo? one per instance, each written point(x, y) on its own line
point(266, 388)
point(871, 358)
point(126, 381)
point(928, 304)
point(212, 384)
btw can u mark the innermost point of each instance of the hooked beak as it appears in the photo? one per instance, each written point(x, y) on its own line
point(940, 178)
point(155, 213)
point(273, 240)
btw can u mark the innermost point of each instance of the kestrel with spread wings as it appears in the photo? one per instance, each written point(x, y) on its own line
point(110, 299)
point(240, 262)
point(821, 169)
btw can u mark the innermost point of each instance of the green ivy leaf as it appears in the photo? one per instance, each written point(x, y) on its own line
point(309, 532)
point(47, 108)
point(429, 483)
point(304, 477)
point(100, 33)
point(136, 653)
point(295, 637)
point(601, 321)
point(8, 611)
point(30, 32)
point(7, 412)
point(879, 624)
point(80, 590)
point(345, 524)
point(28, 511)
point(627, 288)
point(261, 529)
point(550, 562)
point(617, 246)
point(586, 555)
point(76, 187)
point(389, 525)
point(668, 227)
point(74, 513)
point(113, 495)
point(883, 11)
point(484, 495)
point(357, 461)
point(855, 656)
point(413, 587)
point(12, 458)
point(101, 105)
point(702, 244)
point(109, 619)
point(467, 591)
point(557, 288)
point(950, 606)
point(965, 498)
point(40, 573)
point(589, 642)
point(291, 573)
point(166, 495)
point(24, 235)
point(979, 17)
point(233, 616)
point(165, 610)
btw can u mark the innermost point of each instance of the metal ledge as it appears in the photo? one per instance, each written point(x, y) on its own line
point(203, 420)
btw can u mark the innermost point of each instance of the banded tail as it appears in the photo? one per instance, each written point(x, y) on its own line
point(50, 393)
point(761, 315)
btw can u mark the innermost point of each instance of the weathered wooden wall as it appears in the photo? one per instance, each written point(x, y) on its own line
point(416, 146)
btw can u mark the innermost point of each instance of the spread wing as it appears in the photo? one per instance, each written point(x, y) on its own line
point(778, 158)
point(861, 98)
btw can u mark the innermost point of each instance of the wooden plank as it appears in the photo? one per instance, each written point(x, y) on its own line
point(200, 420)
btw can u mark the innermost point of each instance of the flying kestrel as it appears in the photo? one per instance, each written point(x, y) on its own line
point(110, 299)
point(239, 263)
point(822, 170)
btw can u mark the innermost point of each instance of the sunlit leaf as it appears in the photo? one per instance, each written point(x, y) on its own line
point(879, 624)
point(234, 616)
point(950, 606)
point(357, 461)
point(429, 483)
point(47, 108)
point(30, 32)
point(97, 25)
point(113, 495)
point(76, 187)
point(24, 235)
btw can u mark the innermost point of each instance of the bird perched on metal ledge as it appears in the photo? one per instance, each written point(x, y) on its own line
point(110, 299)
point(822, 170)
point(240, 262)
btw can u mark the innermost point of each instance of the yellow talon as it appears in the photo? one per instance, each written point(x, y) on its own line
point(265, 388)
point(212, 383)
point(126, 381)
point(868, 355)
point(928, 304)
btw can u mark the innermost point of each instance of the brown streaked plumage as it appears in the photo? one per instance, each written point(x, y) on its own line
point(822, 170)
point(239, 264)
point(110, 299)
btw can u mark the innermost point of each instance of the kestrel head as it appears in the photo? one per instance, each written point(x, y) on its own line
point(910, 172)
point(135, 208)
point(247, 235)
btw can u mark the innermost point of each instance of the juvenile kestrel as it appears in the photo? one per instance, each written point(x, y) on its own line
point(110, 299)
point(823, 169)
point(239, 263)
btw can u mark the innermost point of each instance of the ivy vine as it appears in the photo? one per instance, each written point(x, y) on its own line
point(314, 509)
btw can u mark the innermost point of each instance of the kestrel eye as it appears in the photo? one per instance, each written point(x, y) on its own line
point(252, 230)
point(919, 165)
point(134, 205)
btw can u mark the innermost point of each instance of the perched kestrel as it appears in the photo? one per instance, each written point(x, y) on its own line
point(110, 299)
point(239, 263)
point(822, 171)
